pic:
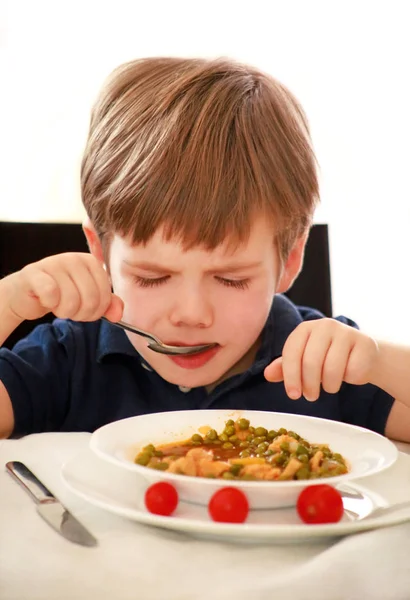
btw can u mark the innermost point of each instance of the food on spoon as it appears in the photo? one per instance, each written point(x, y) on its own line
point(244, 452)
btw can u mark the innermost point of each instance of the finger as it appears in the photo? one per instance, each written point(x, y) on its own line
point(115, 309)
point(89, 293)
point(273, 372)
point(292, 361)
point(103, 284)
point(41, 287)
point(69, 300)
point(313, 360)
point(335, 364)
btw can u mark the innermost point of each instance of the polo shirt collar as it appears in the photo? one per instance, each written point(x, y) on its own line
point(113, 340)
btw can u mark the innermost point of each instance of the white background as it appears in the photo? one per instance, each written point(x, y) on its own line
point(347, 62)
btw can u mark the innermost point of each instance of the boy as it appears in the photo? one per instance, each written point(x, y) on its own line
point(199, 184)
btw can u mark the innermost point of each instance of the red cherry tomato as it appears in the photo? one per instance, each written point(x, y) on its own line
point(161, 498)
point(320, 504)
point(229, 505)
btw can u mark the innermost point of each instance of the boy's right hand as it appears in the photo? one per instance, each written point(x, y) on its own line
point(72, 286)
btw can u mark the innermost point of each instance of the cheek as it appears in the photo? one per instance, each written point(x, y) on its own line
point(245, 312)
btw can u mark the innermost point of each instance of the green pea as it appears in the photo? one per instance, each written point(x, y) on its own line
point(223, 437)
point(216, 442)
point(261, 431)
point(211, 435)
point(143, 459)
point(262, 447)
point(326, 452)
point(302, 449)
point(228, 475)
point(284, 446)
point(244, 454)
point(197, 438)
point(259, 439)
point(269, 452)
point(279, 459)
point(304, 458)
point(227, 446)
point(302, 473)
point(244, 444)
point(282, 431)
point(229, 423)
point(338, 457)
point(158, 453)
point(251, 429)
point(162, 466)
point(296, 436)
point(243, 424)
point(250, 437)
point(233, 439)
point(229, 430)
point(235, 469)
point(272, 434)
point(150, 448)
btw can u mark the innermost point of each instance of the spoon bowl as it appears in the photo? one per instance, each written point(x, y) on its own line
point(157, 345)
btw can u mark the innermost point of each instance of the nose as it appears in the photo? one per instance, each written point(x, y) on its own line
point(192, 309)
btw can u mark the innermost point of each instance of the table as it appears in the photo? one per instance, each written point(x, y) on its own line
point(135, 561)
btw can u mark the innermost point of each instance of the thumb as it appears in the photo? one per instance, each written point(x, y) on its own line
point(115, 310)
point(274, 372)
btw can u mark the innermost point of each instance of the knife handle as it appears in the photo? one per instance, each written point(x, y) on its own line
point(29, 482)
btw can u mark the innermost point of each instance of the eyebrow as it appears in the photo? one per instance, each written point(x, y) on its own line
point(228, 268)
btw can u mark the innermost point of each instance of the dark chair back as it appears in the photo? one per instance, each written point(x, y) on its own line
point(24, 243)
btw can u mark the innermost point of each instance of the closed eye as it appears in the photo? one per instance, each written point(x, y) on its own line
point(239, 284)
point(150, 281)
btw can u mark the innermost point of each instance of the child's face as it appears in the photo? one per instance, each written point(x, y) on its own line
point(197, 297)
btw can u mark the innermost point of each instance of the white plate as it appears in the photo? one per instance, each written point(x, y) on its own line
point(118, 443)
point(121, 492)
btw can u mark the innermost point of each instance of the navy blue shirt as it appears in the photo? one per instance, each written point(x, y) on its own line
point(71, 376)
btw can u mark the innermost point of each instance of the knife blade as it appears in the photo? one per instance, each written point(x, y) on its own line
point(49, 507)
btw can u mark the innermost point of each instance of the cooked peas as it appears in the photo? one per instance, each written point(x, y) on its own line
point(212, 435)
point(227, 446)
point(261, 431)
point(143, 459)
point(255, 449)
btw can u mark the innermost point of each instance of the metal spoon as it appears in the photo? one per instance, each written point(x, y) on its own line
point(157, 346)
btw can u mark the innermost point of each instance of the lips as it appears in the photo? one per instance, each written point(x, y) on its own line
point(195, 361)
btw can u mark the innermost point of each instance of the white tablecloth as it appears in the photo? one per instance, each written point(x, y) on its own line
point(135, 561)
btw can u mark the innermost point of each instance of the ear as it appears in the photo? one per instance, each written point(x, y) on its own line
point(293, 265)
point(93, 240)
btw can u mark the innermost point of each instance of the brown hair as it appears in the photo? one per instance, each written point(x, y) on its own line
point(199, 147)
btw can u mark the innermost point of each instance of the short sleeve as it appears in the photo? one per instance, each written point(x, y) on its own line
point(36, 376)
point(365, 405)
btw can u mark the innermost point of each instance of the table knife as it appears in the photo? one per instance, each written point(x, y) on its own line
point(49, 507)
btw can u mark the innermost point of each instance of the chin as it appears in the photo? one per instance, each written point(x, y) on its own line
point(191, 379)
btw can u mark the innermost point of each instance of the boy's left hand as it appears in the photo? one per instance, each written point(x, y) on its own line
point(323, 353)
